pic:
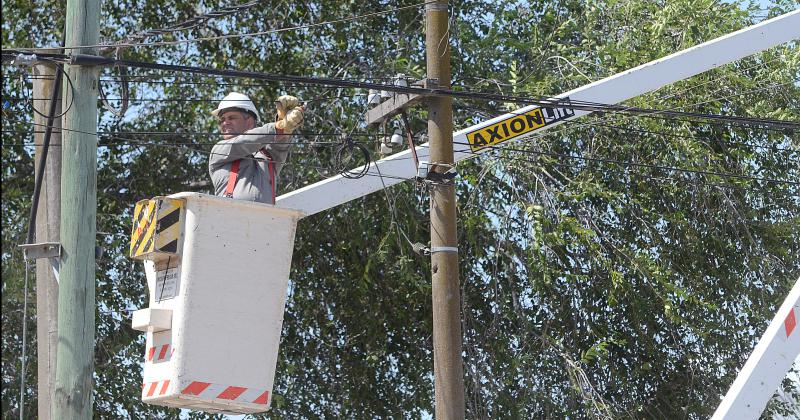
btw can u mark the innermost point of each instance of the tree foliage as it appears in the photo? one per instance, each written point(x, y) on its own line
point(607, 268)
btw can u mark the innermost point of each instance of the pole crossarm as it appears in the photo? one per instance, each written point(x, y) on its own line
point(526, 121)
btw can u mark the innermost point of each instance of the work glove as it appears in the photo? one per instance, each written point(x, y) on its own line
point(284, 104)
point(290, 114)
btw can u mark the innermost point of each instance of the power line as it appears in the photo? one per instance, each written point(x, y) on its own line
point(369, 172)
point(169, 100)
point(373, 136)
point(377, 136)
point(570, 125)
point(545, 102)
point(319, 81)
point(185, 25)
point(17, 99)
point(244, 35)
point(715, 79)
point(551, 154)
point(635, 164)
point(666, 134)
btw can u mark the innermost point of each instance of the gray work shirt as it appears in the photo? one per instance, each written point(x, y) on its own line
point(254, 182)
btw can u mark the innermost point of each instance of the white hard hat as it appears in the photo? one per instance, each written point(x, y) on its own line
point(236, 100)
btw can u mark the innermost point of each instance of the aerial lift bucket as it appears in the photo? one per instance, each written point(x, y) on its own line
point(217, 274)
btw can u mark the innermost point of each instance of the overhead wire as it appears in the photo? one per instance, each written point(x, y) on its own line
point(722, 174)
point(18, 99)
point(185, 25)
point(635, 164)
point(679, 136)
point(239, 35)
point(542, 101)
point(615, 109)
point(568, 125)
point(316, 143)
point(24, 343)
point(61, 75)
point(551, 154)
point(715, 79)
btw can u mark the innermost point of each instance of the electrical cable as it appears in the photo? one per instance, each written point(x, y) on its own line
point(118, 112)
point(43, 158)
point(243, 35)
point(59, 76)
point(164, 282)
point(134, 142)
point(665, 134)
point(573, 156)
point(24, 344)
point(663, 97)
point(377, 136)
point(345, 153)
point(392, 208)
point(365, 171)
point(635, 164)
point(715, 79)
point(320, 81)
point(185, 146)
point(185, 25)
point(575, 125)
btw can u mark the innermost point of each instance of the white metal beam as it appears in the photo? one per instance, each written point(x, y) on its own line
point(648, 77)
point(769, 363)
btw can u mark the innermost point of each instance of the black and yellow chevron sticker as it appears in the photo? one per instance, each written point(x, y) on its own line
point(168, 225)
point(144, 215)
point(157, 227)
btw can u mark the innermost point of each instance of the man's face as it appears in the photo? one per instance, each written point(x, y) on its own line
point(233, 122)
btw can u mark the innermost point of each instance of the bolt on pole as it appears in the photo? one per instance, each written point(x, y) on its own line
point(447, 365)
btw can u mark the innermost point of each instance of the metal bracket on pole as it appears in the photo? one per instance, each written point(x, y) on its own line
point(398, 103)
point(391, 107)
point(41, 250)
point(51, 250)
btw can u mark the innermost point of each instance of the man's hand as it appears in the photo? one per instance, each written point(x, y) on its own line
point(290, 115)
point(284, 104)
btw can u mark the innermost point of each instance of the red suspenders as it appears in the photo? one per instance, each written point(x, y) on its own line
point(234, 174)
point(232, 178)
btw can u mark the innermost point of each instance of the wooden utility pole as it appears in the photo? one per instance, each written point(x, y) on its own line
point(47, 230)
point(447, 365)
point(76, 298)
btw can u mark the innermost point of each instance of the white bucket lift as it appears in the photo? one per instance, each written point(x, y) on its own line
point(217, 273)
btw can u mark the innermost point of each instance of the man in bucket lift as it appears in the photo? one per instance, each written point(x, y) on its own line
point(245, 164)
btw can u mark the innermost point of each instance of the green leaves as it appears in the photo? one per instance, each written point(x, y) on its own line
point(606, 282)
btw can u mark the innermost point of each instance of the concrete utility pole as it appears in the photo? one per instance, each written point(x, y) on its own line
point(47, 230)
point(447, 366)
point(76, 299)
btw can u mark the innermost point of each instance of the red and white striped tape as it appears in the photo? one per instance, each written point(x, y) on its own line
point(225, 392)
point(159, 353)
point(157, 388)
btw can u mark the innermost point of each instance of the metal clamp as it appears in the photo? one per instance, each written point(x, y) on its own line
point(25, 60)
point(426, 173)
point(444, 249)
point(51, 250)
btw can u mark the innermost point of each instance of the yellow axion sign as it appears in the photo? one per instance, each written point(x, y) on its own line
point(516, 126)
